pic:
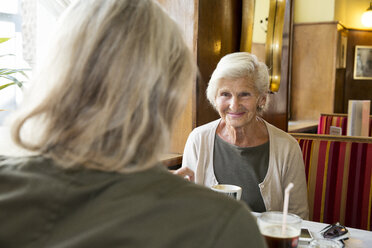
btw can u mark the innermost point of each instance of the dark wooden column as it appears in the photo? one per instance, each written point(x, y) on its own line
point(218, 34)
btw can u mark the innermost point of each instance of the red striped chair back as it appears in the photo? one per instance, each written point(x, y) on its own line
point(339, 178)
point(337, 120)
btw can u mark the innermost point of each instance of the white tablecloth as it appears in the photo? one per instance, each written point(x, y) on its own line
point(358, 238)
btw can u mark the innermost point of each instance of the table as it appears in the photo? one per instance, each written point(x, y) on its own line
point(8, 148)
point(358, 238)
point(303, 126)
point(172, 160)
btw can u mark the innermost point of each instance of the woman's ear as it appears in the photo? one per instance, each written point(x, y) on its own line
point(261, 104)
point(262, 101)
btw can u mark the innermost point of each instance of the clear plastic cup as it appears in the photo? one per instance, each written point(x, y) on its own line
point(270, 225)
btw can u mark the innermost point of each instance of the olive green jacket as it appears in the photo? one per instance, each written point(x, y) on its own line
point(43, 205)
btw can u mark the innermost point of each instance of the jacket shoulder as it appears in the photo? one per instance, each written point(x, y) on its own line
point(206, 128)
point(280, 135)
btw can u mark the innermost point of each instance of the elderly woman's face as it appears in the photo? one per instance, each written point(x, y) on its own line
point(237, 101)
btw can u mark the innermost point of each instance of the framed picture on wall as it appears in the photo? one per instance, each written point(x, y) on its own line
point(363, 63)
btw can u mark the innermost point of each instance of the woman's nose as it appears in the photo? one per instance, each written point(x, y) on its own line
point(234, 104)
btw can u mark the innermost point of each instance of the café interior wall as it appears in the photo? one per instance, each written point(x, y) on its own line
point(338, 86)
point(341, 11)
point(314, 10)
point(349, 12)
point(261, 12)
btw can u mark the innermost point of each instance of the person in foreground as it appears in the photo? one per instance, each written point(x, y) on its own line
point(241, 148)
point(103, 108)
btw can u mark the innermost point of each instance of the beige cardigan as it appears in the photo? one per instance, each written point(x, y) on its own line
point(285, 165)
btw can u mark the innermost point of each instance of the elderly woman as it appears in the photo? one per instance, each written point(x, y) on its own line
point(241, 148)
point(103, 108)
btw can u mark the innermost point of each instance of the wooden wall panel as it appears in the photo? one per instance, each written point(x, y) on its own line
point(338, 106)
point(258, 49)
point(219, 28)
point(356, 89)
point(313, 70)
point(185, 13)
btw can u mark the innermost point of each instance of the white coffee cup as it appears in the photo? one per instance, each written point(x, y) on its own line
point(229, 190)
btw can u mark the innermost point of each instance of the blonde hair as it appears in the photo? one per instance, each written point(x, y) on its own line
point(240, 65)
point(114, 83)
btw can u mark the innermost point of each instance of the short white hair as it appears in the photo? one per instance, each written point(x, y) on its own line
point(239, 65)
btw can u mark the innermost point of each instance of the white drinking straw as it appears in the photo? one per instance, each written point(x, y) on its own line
point(285, 206)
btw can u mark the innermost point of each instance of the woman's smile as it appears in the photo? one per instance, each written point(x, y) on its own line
point(236, 115)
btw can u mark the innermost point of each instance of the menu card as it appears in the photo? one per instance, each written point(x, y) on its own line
point(335, 130)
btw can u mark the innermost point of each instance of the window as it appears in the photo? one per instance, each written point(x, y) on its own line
point(28, 23)
point(10, 27)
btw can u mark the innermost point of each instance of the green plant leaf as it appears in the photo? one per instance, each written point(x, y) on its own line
point(7, 71)
point(11, 78)
point(9, 54)
point(4, 39)
point(9, 74)
point(3, 70)
point(6, 85)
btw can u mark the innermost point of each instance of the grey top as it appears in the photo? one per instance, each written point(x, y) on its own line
point(44, 205)
point(242, 166)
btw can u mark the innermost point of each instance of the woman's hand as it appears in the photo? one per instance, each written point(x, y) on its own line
point(184, 172)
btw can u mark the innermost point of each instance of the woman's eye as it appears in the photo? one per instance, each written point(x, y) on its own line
point(245, 94)
point(226, 94)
